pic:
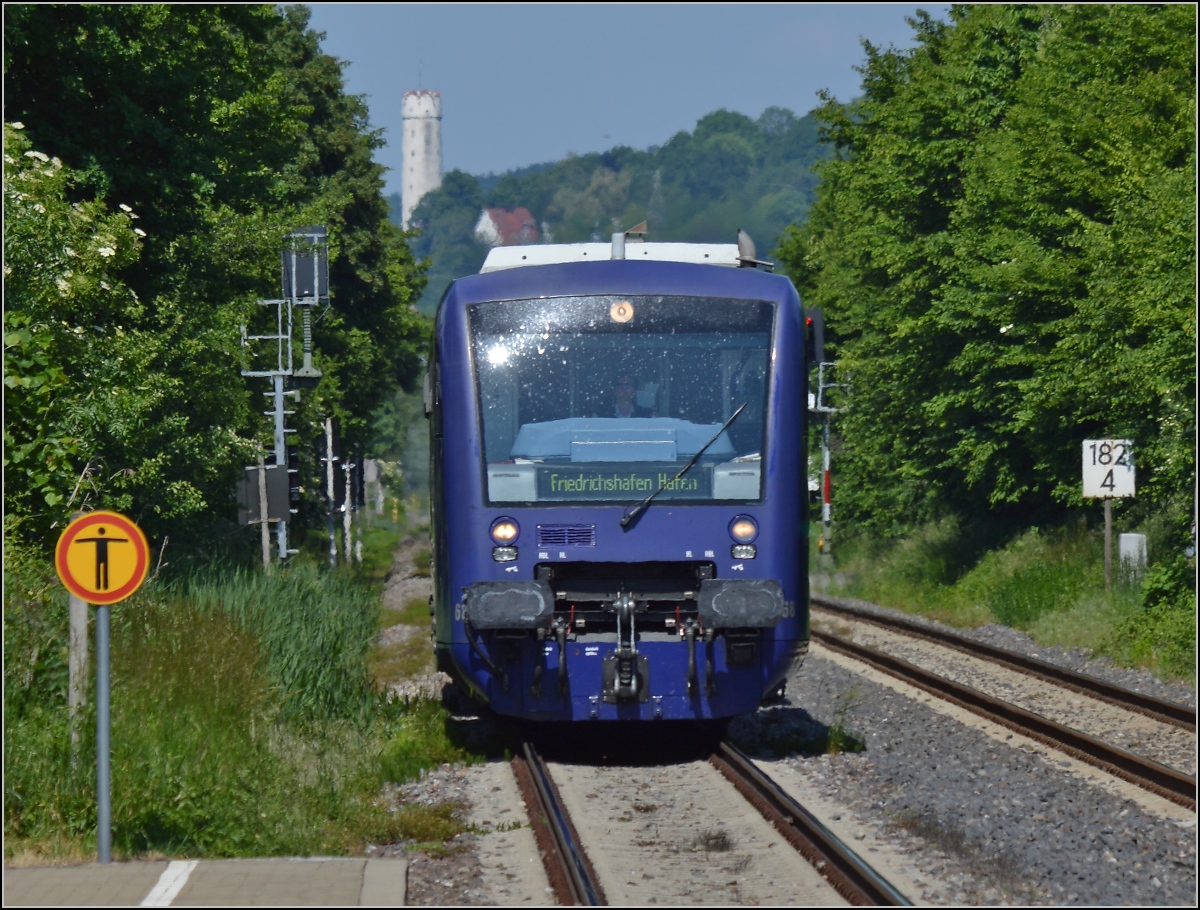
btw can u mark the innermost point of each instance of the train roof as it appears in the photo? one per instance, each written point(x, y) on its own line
point(580, 277)
point(511, 257)
point(632, 267)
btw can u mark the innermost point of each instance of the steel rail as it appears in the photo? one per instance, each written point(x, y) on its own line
point(850, 875)
point(1150, 775)
point(567, 867)
point(1157, 708)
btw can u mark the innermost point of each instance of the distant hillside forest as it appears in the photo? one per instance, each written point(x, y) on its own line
point(730, 172)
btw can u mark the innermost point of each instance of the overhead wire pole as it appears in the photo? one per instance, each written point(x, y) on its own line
point(347, 511)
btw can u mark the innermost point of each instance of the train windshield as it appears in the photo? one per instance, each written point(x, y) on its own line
point(605, 399)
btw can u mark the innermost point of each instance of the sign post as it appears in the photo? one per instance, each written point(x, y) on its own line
point(102, 558)
point(1108, 473)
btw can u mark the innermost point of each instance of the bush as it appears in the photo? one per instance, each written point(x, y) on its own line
point(1162, 638)
point(419, 740)
point(1162, 635)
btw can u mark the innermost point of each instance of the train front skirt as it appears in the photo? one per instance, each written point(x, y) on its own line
point(542, 676)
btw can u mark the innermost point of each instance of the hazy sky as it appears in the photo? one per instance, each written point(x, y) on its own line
point(522, 84)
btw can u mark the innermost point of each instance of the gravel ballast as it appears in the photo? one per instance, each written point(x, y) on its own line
point(1013, 819)
point(982, 823)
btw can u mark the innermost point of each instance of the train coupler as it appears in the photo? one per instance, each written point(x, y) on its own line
point(626, 674)
point(626, 677)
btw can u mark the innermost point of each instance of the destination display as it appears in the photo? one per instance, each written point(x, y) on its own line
point(621, 481)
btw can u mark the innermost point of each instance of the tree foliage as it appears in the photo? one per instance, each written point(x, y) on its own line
point(219, 129)
point(730, 172)
point(446, 238)
point(1005, 250)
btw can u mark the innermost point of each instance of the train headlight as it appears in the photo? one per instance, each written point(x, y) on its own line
point(743, 529)
point(504, 531)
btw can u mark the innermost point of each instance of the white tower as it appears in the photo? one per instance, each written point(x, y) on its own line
point(421, 148)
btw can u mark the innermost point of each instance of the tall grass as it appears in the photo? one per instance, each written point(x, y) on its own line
point(315, 629)
point(1035, 575)
point(243, 721)
point(1047, 583)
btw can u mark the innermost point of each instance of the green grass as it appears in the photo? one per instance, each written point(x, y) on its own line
point(243, 722)
point(402, 659)
point(380, 536)
point(415, 612)
point(1049, 584)
point(421, 738)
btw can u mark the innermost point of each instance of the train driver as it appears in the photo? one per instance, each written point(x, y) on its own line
point(625, 404)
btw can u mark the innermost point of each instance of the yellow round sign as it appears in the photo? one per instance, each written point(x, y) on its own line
point(102, 557)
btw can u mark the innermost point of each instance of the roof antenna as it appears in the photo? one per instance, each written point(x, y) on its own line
point(747, 253)
point(618, 239)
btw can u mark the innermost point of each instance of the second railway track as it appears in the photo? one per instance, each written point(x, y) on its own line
point(1156, 708)
point(1156, 777)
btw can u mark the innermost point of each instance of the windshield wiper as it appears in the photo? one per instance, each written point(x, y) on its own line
point(641, 506)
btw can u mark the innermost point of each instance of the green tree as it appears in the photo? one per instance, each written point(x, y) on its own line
point(731, 172)
point(1005, 251)
point(446, 219)
point(222, 129)
point(61, 267)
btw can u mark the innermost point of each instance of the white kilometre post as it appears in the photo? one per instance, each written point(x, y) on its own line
point(1108, 472)
point(421, 147)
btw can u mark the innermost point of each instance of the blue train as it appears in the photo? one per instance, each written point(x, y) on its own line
point(618, 481)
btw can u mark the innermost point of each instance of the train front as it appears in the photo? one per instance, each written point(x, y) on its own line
point(619, 490)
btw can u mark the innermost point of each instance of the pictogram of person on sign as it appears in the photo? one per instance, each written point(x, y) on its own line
point(114, 552)
point(101, 542)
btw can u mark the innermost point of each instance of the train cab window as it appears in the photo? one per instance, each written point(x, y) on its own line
point(603, 399)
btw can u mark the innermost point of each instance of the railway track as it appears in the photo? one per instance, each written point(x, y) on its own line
point(575, 881)
point(571, 875)
point(1156, 708)
point(849, 874)
point(1170, 783)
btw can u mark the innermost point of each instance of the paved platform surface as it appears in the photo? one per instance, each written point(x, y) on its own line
point(305, 882)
